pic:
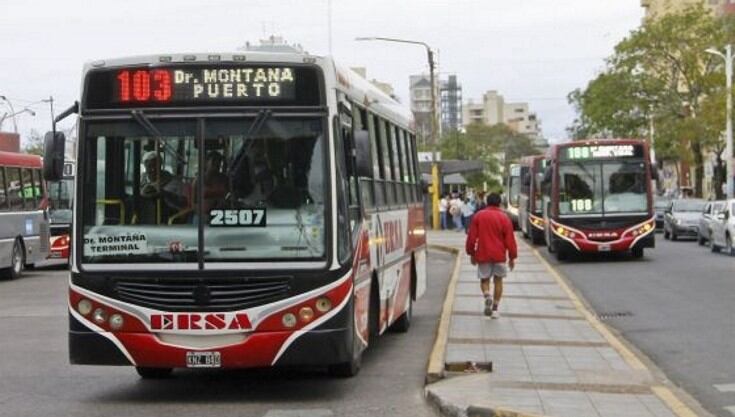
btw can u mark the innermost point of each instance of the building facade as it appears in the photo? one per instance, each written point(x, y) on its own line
point(451, 104)
point(493, 109)
point(420, 96)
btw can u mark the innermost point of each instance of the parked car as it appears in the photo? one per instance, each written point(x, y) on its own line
point(659, 206)
point(709, 212)
point(682, 218)
point(723, 229)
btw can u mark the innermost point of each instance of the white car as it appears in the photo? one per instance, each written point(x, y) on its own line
point(723, 229)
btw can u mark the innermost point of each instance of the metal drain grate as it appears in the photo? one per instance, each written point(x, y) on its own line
point(614, 315)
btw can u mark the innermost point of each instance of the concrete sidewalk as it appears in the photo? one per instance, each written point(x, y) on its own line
point(549, 355)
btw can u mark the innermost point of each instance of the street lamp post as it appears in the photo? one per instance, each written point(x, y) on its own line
point(727, 56)
point(12, 115)
point(434, 123)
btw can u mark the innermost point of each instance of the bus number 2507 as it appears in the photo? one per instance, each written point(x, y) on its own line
point(237, 217)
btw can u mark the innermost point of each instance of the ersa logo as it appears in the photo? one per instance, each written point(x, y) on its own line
point(200, 323)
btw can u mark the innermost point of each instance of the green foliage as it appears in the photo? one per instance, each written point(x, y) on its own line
point(488, 144)
point(33, 143)
point(661, 73)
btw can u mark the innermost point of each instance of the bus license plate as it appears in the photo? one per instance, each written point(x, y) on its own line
point(203, 360)
point(603, 248)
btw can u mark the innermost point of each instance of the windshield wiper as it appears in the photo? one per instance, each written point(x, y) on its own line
point(152, 130)
point(239, 159)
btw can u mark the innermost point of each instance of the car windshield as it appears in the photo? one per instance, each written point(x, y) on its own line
point(60, 194)
point(261, 197)
point(611, 187)
point(688, 205)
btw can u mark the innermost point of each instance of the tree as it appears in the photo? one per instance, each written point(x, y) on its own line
point(661, 73)
point(33, 143)
point(488, 144)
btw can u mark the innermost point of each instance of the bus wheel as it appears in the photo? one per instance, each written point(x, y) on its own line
point(153, 373)
point(637, 252)
point(403, 323)
point(561, 254)
point(17, 261)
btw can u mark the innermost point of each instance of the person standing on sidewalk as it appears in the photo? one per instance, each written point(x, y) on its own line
point(491, 243)
point(443, 207)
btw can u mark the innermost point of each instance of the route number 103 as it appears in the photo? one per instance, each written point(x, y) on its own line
point(237, 217)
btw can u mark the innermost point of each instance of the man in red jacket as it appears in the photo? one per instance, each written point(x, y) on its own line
point(489, 240)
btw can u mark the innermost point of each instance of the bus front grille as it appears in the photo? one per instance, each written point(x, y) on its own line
point(203, 295)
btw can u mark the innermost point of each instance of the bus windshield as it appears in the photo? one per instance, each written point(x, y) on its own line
point(602, 188)
point(261, 198)
point(60, 194)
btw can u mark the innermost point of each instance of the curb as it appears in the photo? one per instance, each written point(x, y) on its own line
point(435, 366)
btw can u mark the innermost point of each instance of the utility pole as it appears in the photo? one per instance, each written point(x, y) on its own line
point(436, 187)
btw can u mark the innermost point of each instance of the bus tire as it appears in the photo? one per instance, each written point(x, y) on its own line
point(403, 323)
point(17, 261)
point(637, 252)
point(153, 373)
point(561, 254)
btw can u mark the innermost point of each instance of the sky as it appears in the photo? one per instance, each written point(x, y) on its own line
point(529, 50)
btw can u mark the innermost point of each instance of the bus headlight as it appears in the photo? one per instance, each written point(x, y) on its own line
point(84, 307)
point(323, 305)
point(116, 321)
point(288, 320)
point(306, 314)
point(99, 316)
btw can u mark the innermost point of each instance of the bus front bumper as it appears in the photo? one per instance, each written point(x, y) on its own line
point(317, 347)
point(621, 245)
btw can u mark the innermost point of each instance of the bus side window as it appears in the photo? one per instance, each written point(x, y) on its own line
point(15, 194)
point(3, 191)
point(27, 189)
point(378, 184)
point(37, 185)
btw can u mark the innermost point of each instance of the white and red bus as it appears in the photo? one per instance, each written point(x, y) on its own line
point(24, 234)
point(530, 215)
point(239, 210)
point(60, 197)
point(598, 197)
point(513, 192)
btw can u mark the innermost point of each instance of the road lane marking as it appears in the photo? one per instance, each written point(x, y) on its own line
point(300, 413)
point(725, 387)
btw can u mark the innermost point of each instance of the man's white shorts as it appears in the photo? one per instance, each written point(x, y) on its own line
point(488, 270)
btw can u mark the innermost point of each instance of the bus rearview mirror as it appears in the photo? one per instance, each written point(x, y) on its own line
point(53, 156)
point(363, 161)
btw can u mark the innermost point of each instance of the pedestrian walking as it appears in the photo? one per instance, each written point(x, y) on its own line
point(468, 210)
point(490, 244)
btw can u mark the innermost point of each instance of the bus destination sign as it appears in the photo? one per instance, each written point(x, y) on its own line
point(202, 85)
point(602, 152)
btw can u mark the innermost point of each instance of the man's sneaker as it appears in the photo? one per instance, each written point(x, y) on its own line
point(495, 314)
point(488, 306)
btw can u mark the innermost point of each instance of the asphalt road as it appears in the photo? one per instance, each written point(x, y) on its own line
point(37, 380)
point(676, 305)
